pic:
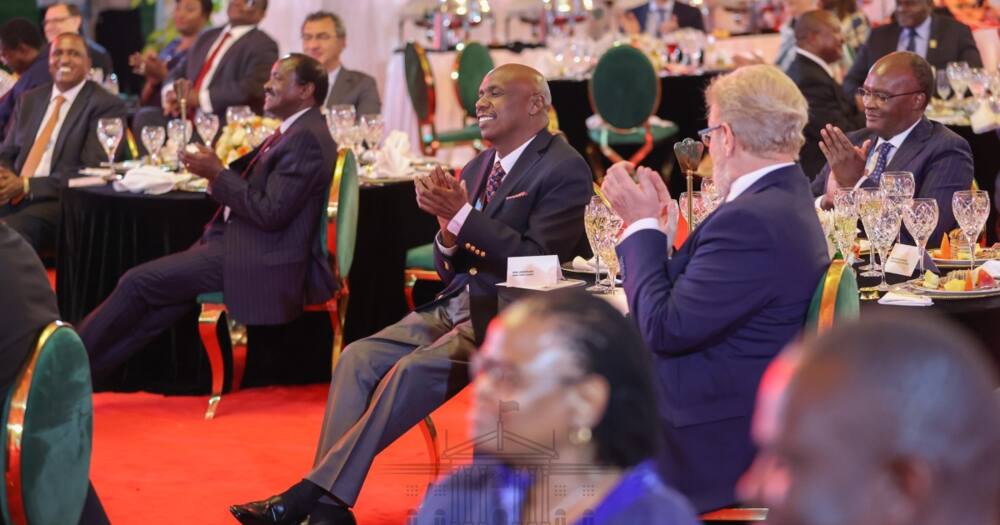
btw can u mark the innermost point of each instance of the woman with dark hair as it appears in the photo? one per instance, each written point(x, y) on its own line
point(190, 18)
point(854, 26)
point(564, 423)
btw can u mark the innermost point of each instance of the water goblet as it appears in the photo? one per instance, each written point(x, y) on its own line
point(920, 218)
point(152, 139)
point(238, 114)
point(110, 132)
point(845, 220)
point(608, 236)
point(179, 132)
point(869, 201)
point(898, 187)
point(698, 205)
point(885, 227)
point(943, 85)
point(971, 208)
point(207, 125)
point(957, 73)
point(593, 215)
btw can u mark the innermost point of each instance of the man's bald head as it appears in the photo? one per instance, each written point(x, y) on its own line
point(529, 76)
point(908, 65)
point(892, 420)
point(513, 106)
point(906, 81)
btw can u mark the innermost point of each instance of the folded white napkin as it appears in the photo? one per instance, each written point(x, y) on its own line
point(583, 265)
point(146, 179)
point(992, 267)
point(983, 119)
point(905, 299)
point(393, 158)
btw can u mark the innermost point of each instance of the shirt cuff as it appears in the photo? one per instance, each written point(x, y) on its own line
point(648, 223)
point(205, 100)
point(167, 88)
point(456, 222)
point(448, 252)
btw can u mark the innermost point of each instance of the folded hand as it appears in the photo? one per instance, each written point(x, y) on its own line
point(646, 198)
point(201, 161)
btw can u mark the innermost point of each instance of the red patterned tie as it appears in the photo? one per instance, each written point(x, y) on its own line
point(208, 63)
point(493, 183)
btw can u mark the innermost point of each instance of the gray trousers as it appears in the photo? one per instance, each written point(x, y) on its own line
point(387, 383)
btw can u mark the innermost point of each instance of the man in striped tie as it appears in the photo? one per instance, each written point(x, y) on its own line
point(898, 137)
point(54, 134)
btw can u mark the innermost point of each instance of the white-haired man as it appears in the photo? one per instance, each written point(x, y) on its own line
point(738, 289)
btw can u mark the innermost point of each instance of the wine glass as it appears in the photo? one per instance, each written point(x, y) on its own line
point(920, 218)
point(152, 139)
point(179, 132)
point(207, 125)
point(971, 207)
point(110, 132)
point(845, 220)
point(608, 236)
point(957, 73)
point(341, 116)
point(238, 114)
point(978, 81)
point(885, 223)
point(593, 214)
point(372, 128)
point(869, 201)
point(943, 85)
point(898, 187)
point(699, 207)
point(710, 194)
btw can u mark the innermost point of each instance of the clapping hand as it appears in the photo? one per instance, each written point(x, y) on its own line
point(201, 161)
point(11, 186)
point(647, 197)
point(847, 161)
point(441, 196)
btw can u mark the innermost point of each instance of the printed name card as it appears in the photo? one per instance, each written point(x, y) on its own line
point(540, 271)
point(903, 260)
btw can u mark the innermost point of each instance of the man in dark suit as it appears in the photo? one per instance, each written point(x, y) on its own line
point(938, 39)
point(659, 17)
point(261, 248)
point(898, 138)
point(736, 292)
point(62, 17)
point(819, 44)
point(54, 134)
point(324, 38)
point(226, 66)
point(23, 52)
point(525, 196)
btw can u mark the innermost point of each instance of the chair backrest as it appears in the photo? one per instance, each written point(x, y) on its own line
point(419, 81)
point(472, 63)
point(48, 417)
point(624, 89)
point(339, 235)
point(835, 298)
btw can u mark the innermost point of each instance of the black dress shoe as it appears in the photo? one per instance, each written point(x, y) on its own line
point(331, 515)
point(272, 511)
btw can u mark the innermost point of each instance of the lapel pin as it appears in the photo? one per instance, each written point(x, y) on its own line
point(933, 44)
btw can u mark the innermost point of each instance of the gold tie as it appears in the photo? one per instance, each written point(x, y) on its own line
point(38, 148)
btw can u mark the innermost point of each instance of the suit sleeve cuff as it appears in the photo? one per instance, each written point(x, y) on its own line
point(456, 222)
point(447, 252)
point(648, 223)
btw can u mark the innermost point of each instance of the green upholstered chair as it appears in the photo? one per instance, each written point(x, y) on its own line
point(419, 267)
point(835, 298)
point(337, 238)
point(49, 420)
point(420, 85)
point(625, 93)
point(472, 63)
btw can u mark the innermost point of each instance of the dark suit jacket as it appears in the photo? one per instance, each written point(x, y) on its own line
point(687, 16)
point(827, 105)
point(357, 89)
point(240, 76)
point(36, 75)
point(27, 304)
point(274, 263)
point(953, 41)
point(941, 162)
point(716, 313)
point(538, 210)
point(77, 145)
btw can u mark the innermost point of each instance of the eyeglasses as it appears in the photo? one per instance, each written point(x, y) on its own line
point(882, 98)
point(706, 134)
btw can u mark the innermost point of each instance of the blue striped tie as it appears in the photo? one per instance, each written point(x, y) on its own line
point(883, 159)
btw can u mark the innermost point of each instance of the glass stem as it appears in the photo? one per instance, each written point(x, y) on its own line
point(597, 270)
point(923, 252)
point(972, 252)
point(882, 256)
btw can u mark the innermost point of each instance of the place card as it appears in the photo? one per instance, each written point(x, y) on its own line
point(541, 271)
point(903, 260)
point(83, 182)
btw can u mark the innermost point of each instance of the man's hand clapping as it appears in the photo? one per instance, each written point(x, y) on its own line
point(441, 196)
point(647, 198)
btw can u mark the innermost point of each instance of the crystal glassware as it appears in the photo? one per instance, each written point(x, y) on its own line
point(845, 220)
point(920, 218)
point(592, 217)
point(898, 187)
point(943, 85)
point(869, 201)
point(957, 73)
point(885, 223)
point(110, 132)
point(971, 208)
point(238, 114)
point(978, 81)
point(710, 194)
point(340, 117)
point(207, 125)
point(152, 139)
point(698, 204)
point(179, 132)
point(608, 240)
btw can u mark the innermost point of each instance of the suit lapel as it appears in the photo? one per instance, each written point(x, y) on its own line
point(340, 87)
point(523, 165)
point(932, 50)
point(199, 54)
point(911, 146)
point(479, 179)
point(73, 120)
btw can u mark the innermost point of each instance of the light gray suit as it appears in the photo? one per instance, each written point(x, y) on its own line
point(357, 89)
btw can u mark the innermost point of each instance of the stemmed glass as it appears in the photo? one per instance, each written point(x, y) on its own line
point(372, 128)
point(109, 132)
point(710, 194)
point(845, 220)
point(971, 207)
point(978, 81)
point(885, 227)
point(179, 132)
point(608, 239)
point(898, 188)
point(152, 139)
point(700, 206)
point(593, 214)
point(238, 114)
point(341, 117)
point(869, 201)
point(943, 85)
point(920, 218)
point(207, 125)
point(957, 73)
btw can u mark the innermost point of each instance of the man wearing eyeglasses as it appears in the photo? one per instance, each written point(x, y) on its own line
point(324, 38)
point(897, 138)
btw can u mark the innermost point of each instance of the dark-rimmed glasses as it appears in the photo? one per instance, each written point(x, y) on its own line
point(882, 98)
point(706, 134)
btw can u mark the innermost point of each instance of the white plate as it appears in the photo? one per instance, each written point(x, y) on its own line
point(568, 267)
point(915, 286)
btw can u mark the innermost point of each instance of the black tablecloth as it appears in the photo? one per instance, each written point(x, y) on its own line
point(104, 233)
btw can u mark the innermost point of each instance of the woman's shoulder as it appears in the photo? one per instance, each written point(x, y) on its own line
point(641, 497)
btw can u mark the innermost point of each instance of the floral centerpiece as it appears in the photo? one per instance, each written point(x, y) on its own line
point(239, 138)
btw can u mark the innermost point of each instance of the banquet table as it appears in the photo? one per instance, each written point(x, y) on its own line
point(104, 233)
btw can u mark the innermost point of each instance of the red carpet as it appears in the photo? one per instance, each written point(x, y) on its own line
point(156, 461)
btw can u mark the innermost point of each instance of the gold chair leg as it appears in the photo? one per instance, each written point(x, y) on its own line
point(238, 338)
point(429, 431)
point(208, 321)
point(409, 281)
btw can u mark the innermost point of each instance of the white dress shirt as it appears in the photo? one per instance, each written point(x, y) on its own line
point(45, 164)
point(236, 33)
point(653, 18)
point(923, 38)
point(455, 224)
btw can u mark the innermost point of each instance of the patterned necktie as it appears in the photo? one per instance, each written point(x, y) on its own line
point(880, 162)
point(493, 183)
point(911, 44)
point(42, 142)
point(208, 63)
